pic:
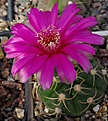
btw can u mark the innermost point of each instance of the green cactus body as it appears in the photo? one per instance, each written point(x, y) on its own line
point(83, 94)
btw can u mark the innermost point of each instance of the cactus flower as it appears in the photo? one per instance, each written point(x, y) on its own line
point(48, 41)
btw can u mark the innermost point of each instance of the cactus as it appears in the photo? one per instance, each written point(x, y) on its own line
point(83, 94)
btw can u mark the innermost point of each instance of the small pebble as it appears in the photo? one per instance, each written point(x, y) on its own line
point(103, 109)
point(5, 73)
point(4, 13)
point(8, 109)
point(1, 53)
point(96, 108)
point(97, 4)
point(20, 113)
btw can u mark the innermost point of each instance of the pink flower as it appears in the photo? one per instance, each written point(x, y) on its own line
point(48, 41)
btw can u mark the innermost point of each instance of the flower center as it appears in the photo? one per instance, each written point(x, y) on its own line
point(49, 38)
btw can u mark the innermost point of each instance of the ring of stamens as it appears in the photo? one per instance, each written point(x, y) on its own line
point(49, 37)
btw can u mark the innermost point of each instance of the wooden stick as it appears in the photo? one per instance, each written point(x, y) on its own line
point(28, 100)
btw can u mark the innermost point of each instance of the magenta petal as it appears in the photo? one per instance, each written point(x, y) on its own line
point(61, 75)
point(15, 39)
point(34, 23)
point(66, 13)
point(26, 23)
point(50, 17)
point(68, 20)
point(12, 55)
point(21, 61)
point(13, 52)
point(90, 38)
point(18, 40)
point(54, 14)
point(31, 67)
point(67, 68)
point(83, 61)
point(46, 17)
point(24, 32)
point(75, 19)
point(47, 75)
point(15, 48)
point(36, 19)
point(82, 47)
point(79, 57)
point(64, 26)
point(83, 24)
